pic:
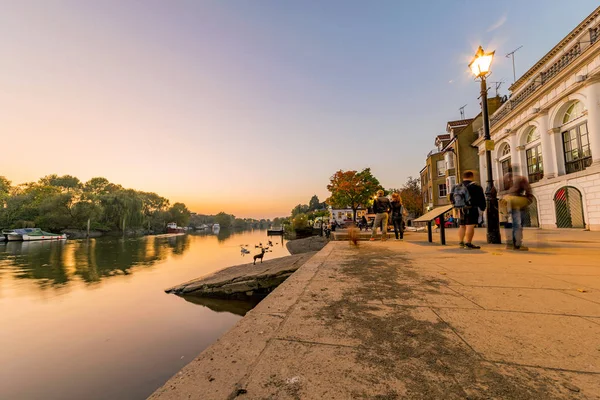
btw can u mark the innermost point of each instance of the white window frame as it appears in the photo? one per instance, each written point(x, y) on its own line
point(440, 195)
point(441, 171)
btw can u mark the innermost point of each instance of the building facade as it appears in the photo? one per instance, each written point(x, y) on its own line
point(433, 176)
point(345, 215)
point(549, 130)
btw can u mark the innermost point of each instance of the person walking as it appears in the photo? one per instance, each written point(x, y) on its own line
point(517, 200)
point(363, 223)
point(397, 212)
point(381, 208)
point(468, 198)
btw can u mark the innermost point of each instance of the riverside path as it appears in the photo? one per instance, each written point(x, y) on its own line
point(413, 320)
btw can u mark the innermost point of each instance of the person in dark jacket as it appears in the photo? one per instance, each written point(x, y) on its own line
point(469, 215)
point(397, 213)
point(381, 208)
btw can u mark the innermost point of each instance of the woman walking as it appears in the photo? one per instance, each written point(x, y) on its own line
point(397, 211)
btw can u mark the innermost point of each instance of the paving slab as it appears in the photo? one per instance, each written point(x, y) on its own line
point(529, 300)
point(549, 341)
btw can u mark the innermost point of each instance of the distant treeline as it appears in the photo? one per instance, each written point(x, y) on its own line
point(230, 221)
point(64, 202)
point(60, 202)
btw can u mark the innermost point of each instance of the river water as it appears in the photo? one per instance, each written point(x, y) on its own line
point(89, 319)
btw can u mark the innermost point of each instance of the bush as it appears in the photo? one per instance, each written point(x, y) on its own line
point(300, 221)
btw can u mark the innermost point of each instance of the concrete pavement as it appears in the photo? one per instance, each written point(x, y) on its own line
point(393, 320)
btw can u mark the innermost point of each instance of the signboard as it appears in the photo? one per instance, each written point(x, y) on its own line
point(490, 145)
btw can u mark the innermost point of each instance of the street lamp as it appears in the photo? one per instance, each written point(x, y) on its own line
point(480, 66)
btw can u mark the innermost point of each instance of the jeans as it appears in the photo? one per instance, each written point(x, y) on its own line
point(398, 227)
point(380, 219)
point(518, 214)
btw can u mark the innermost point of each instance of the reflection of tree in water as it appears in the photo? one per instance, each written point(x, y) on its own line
point(179, 244)
point(38, 260)
point(223, 234)
point(55, 263)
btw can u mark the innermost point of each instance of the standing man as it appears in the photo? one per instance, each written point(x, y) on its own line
point(468, 198)
point(381, 208)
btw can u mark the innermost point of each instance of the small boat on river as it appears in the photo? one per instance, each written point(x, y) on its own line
point(31, 234)
point(173, 228)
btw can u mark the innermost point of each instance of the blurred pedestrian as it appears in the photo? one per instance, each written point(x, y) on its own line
point(397, 213)
point(519, 197)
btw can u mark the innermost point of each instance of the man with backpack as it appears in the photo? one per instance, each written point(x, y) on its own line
point(381, 207)
point(468, 198)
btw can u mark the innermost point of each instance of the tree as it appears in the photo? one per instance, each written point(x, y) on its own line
point(224, 220)
point(299, 209)
point(180, 214)
point(352, 189)
point(314, 204)
point(411, 196)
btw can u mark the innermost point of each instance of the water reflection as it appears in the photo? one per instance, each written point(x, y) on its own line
point(237, 307)
point(55, 263)
point(96, 310)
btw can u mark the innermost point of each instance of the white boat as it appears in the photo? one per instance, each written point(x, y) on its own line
point(216, 227)
point(31, 234)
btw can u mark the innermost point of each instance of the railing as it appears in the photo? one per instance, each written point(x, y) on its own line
point(579, 165)
point(561, 63)
point(594, 33)
point(535, 177)
point(545, 76)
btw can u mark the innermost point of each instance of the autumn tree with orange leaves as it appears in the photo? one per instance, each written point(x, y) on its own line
point(352, 189)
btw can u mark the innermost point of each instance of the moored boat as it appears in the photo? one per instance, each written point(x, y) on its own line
point(216, 227)
point(31, 234)
point(173, 228)
point(38, 234)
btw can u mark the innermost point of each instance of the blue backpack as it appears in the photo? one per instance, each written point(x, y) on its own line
point(461, 198)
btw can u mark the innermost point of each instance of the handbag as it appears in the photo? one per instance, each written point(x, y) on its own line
point(517, 202)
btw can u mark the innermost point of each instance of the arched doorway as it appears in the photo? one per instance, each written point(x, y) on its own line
point(530, 219)
point(569, 208)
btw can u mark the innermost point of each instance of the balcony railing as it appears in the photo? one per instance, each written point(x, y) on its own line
point(578, 165)
point(544, 77)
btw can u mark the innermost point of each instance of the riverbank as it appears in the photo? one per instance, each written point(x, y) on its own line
point(243, 281)
point(416, 320)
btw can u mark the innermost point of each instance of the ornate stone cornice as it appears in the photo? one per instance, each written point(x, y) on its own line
point(585, 24)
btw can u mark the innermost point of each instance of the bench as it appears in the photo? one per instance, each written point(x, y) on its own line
point(432, 215)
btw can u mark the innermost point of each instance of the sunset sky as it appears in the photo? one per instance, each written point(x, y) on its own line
point(249, 107)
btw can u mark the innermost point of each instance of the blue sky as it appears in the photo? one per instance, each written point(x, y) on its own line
point(249, 106)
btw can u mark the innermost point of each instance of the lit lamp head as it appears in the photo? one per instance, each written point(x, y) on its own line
point(480, 66)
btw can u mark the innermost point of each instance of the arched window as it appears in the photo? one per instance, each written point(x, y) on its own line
point(505, 161)
point(533, 152)
point(576, 145)
point(574, 111)
point(533, 135)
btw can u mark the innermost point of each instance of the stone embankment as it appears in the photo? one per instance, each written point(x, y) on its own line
point(299, 246)
point(245, 280)
point(249, 280)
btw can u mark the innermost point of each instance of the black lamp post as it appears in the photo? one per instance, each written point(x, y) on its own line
point(480, 66)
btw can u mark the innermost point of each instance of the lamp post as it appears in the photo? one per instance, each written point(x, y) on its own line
point(480, 66)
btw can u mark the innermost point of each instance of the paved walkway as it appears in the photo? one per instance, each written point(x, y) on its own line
point(395, 320)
